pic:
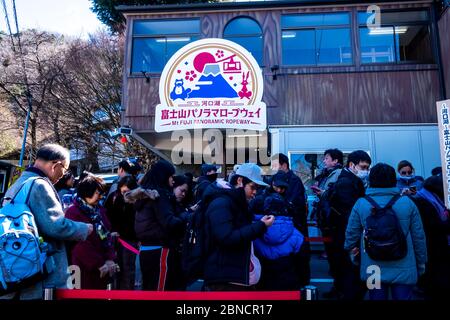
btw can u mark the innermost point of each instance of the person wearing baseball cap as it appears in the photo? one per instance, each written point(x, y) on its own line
point(230, 263)
point(252, 172)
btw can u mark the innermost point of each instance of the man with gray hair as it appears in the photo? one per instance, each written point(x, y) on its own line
point(52, 161)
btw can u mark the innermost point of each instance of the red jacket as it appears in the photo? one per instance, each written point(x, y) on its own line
point(90, 254)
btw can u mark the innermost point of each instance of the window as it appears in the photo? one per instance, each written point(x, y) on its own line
point(401, 37)
point(306, 166)
point(247, 33)
point(155, 41)
point(316, 39)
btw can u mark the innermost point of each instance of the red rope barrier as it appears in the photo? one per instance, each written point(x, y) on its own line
point(175, 295)
point(318, 239)
point(128, 246)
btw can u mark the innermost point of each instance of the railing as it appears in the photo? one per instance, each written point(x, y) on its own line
point(63, 294)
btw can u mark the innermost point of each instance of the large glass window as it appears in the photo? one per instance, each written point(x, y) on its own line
point(155, 41)
point(316, 39)
point(247, 33)
point(400, 37)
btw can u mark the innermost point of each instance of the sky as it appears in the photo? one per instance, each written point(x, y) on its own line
point(68, 17)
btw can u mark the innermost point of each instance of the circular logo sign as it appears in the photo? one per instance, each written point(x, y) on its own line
point(211, 83)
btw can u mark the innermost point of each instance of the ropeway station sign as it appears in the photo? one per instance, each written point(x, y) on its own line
point(211, 83)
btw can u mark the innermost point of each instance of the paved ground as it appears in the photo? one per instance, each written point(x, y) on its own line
point(320, 277)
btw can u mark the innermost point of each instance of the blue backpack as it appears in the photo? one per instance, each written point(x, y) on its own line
point(23, 254)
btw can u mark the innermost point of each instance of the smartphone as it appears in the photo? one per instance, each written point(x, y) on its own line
point(413, 188)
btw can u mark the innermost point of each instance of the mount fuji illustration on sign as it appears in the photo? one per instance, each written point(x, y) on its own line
point(212, 85)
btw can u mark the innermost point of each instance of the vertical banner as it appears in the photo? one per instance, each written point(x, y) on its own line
point(444, 144)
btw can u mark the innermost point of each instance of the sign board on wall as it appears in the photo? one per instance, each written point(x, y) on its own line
point(443, 113)
point(211, 83)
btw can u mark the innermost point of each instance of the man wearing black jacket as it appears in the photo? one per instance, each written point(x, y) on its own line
point(231, 264)
point(347, 190)
point(295, 196)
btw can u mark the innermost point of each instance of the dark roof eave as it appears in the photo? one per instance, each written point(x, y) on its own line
point(241, 5)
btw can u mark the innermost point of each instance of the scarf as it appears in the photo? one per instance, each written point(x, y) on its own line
point(93, 213)
point(435, 201)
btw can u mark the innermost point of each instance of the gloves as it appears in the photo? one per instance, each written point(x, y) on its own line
point(109, 268)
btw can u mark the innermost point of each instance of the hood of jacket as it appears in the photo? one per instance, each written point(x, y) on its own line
point(280, 231)
point(222, 188)
point(139, 193)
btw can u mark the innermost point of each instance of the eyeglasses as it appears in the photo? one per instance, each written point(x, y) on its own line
point(404, 173)
point(65, 169)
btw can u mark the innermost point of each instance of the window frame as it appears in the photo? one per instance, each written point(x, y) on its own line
point(159, 36)
point(247, 35)
point(315, 28)
point(427, 24)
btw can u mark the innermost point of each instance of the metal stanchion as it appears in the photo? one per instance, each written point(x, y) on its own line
point(309, 293)
point(49, 293)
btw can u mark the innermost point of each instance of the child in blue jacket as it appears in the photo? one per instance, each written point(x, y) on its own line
point(276, 248)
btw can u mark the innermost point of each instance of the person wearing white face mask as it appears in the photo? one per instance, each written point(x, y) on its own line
point(348, 188)
point(407, 181)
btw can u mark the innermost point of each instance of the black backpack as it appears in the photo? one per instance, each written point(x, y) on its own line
point(383, 236)
point(323, 211)
point(194, 249)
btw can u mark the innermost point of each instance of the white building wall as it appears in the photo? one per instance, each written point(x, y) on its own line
point(418, 144)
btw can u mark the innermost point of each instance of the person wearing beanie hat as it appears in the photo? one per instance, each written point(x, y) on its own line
point(295, 195)
point(277, 247)
point(208, 176)
point(230, 263)
point(280, 180)
point(159, 229)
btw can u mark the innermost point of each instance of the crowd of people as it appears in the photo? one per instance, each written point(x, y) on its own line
point(254, 231)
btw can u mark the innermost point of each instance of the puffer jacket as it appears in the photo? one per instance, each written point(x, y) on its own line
point(280, 240)
point(404, 271)
point(157, 222)
point(229, 232)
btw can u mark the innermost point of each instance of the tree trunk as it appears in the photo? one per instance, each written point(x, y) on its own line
point(55, 120)
point(91, 157)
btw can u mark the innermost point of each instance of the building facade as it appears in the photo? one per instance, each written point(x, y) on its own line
point(336, 73)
